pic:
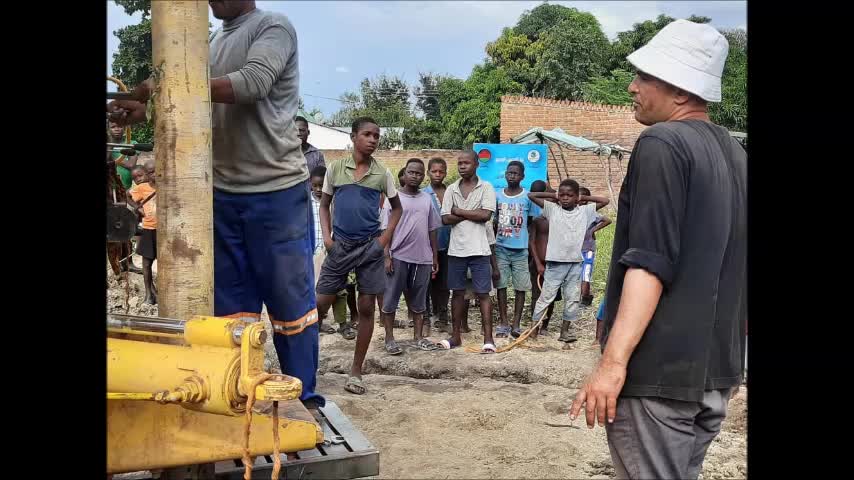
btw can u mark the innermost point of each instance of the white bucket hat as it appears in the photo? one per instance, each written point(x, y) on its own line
point(687, 55)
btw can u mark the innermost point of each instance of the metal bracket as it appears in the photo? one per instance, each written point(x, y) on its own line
point(121, 223)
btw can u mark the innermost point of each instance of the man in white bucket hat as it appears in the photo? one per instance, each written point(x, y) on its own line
point(673, 333)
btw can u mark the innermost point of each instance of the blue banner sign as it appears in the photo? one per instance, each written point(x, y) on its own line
point(494, 157)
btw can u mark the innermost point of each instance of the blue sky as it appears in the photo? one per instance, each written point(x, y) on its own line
point(340, 43)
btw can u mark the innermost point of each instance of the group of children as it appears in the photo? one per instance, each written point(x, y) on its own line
point(136, 185)
point(425, 243)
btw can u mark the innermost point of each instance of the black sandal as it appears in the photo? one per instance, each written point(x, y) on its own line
point(346, 330)
point(327, 328)
point(393, 348)
point(426, 345)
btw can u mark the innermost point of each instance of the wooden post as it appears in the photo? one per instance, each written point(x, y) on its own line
point(182, 150)
point(606, 166)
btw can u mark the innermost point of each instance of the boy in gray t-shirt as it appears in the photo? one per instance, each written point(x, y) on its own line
point(567, 226)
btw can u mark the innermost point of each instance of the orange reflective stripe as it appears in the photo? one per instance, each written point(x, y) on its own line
point(294, 327)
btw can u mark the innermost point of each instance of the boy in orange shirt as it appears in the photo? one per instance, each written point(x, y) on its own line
point(141, 198)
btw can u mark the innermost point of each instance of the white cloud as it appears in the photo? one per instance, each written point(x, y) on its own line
point(618, 16)
point(342, 69)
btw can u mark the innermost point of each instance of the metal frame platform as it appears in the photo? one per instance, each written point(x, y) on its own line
point(344, 454)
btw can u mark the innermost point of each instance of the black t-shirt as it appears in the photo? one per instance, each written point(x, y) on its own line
point(683, 217)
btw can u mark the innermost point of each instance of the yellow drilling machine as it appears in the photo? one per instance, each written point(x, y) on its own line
point(187, 394)
point(178, 410)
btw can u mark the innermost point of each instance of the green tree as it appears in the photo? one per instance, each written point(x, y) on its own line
point(437, 98)
point(425, 128)
point(610, 89)
point(422, 133)
point(551, 51)
point(133, 6)
point(477, 115)
point(384, 98)
point(427, 95)
point(574, 50)
point(545, 16)
point(731, 112)
point(132, 60)
point(517, 55)
point(350, 103)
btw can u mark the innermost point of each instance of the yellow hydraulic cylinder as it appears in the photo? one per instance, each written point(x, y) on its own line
point(211, 374)
point(146, 435)
point(213, 331)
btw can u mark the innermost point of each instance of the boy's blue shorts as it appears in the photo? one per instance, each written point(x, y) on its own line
point(587, 265)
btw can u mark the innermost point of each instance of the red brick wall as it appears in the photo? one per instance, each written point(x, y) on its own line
point(396, 159)
point(600, 123)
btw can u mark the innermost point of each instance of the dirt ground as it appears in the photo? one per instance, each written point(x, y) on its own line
point(453, 414)
point(126, 297)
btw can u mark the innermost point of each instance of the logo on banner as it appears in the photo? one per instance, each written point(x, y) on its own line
point(484, 155)
point(533, 156)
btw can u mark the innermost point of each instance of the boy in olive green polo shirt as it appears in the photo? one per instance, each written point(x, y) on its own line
point(356, 184)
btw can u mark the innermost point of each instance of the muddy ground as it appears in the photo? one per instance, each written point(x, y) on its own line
point(453, 414)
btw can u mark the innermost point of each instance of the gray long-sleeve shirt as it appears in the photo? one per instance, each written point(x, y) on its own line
point(255, 143)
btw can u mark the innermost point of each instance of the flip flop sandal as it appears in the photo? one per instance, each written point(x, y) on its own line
point(502, 331)
point(355, 385)
point(447, 345)
point(487, 348)
point(568, 338)
point(326, 328)
point(393, 348)
point(426, 345)
point(516, 332)
point(347, 332)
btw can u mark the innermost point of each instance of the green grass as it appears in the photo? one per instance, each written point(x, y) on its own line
point(604, 244)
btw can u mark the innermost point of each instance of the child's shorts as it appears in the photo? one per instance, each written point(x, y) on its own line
point(587, 265)
point(409, 277)
point(365, 257)
point(481, 273)
point(513, 264)
point(535, 287)
point(147, 245)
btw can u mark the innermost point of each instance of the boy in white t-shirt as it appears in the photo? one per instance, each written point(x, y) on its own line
point(567, 226)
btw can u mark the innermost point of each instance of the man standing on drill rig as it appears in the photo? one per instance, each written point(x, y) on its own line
point(263, 227)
